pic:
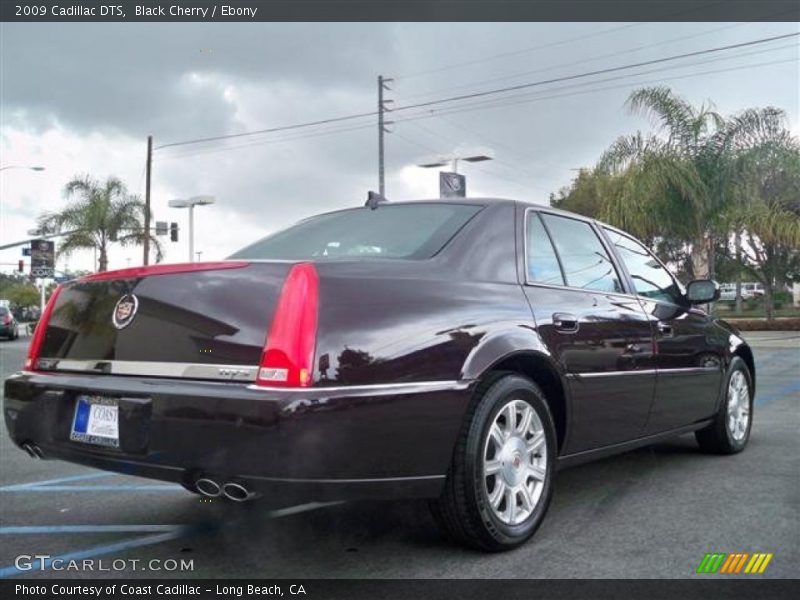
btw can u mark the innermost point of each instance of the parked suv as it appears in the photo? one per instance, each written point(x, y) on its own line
point(457, 350)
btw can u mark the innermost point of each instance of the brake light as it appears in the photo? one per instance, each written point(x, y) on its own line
point(38, 335)
point(288, 356)
point(7, 319)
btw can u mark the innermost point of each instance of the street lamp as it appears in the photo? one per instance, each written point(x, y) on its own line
point(454, 183)
point(190, 204)
point(466, 154)
point(22, 167)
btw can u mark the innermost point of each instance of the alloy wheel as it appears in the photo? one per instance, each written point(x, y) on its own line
point(515, 462)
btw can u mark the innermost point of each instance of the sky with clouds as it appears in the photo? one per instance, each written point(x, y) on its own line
point(82, 98)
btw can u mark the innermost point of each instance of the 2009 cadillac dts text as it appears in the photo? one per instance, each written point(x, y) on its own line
point(458, 351)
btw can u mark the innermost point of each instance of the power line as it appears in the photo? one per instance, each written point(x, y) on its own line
point(596, 72)
point(525, 98)
point(518, 52)
point(479, 94)
point(578, 62)
point(201, 151)
point(269, 130)
point(496, 103)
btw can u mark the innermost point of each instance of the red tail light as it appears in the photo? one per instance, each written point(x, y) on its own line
point(288, 357)
point(38, 335)
point(7, 319)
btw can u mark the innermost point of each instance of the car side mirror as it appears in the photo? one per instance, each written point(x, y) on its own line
point(702, 291)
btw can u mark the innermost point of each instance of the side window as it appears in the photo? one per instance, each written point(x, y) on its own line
point(650, 279)
point(583, 257)
point(542, 262)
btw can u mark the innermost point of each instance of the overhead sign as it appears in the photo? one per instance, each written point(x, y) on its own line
point(452, 185)
point(43, 255)
point(162, 227)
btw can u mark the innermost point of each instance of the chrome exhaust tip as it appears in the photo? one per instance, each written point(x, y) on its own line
point(33, 450)
point(208, 487)
point(237, 492)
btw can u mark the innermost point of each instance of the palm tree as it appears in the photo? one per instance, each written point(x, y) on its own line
point(674, 181)
point(98, 214)
point(764, 179)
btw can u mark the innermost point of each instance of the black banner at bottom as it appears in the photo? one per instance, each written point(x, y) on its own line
point(400, 589)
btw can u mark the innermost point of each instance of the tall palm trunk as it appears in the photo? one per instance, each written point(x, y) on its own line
point(103, 266)
point(738, 242)
point(701, 257)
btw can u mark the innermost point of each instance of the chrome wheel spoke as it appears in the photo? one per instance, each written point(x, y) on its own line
point(497, 493)
point(496, 434)
point(535, 443)
point(490, 467)
point(528, 501)
point(511, 504)
point(510, 415)
point(536, 472)
point(525, 422)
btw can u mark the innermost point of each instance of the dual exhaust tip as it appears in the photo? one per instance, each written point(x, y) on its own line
point(232, 490)
point(33, 450)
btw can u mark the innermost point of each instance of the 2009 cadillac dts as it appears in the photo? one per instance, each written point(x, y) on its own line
point(459, 351)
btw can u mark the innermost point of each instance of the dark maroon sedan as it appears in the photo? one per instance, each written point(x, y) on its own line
point(455, 350)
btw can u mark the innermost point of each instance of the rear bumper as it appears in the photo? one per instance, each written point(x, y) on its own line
point(338, 443)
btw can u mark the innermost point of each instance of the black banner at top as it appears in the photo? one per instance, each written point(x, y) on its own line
point(398, 10)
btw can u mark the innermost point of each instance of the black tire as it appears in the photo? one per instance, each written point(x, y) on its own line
point(717, 438)
point(463, 509)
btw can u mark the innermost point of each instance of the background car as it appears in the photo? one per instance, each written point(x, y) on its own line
point(9, 328)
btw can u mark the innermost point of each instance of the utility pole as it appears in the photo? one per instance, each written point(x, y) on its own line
point(382, 124)
point(148, 169)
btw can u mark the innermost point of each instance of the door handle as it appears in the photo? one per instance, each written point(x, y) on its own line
point(665, 329)
point(565, 322)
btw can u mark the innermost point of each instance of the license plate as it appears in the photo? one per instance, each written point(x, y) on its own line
point(96, 421)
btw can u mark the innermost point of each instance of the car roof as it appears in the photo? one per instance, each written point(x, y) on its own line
point(493, 200)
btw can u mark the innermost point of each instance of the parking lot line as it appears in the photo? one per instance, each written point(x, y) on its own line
point(38, 529)
point(46, 482)
point(101, 550)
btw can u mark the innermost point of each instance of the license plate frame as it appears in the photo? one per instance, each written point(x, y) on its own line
point(95, 421)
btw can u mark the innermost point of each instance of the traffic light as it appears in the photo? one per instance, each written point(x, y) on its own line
point(21, 266)
point(173, 232)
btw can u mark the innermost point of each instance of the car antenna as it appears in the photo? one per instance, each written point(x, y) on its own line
point(374, 199)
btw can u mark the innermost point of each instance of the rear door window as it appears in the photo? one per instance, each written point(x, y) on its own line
point(583, 257)
point(542, 262)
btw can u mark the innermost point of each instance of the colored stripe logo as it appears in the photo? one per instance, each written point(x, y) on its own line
point(735, 563)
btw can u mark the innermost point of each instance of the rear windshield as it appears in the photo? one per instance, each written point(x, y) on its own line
point(3, 311)
point(414, 231)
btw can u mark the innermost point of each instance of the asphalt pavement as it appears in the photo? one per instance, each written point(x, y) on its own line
point(653, 512)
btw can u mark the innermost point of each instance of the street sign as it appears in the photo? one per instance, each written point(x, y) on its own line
point(42, 259)
point(162, 227)
point(452, 185)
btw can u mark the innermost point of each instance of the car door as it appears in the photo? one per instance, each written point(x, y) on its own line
point(689, 347)
point(599, 335)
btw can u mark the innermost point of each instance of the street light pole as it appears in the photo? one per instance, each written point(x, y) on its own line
point(190, 204)
point(191, 233)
